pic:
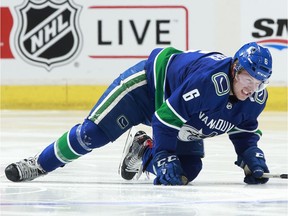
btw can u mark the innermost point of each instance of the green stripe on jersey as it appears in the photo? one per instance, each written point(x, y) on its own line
point(169, 117)
point(160, 69)
point(63, 150)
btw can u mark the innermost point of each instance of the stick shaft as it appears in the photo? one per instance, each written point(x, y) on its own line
point(271, 175)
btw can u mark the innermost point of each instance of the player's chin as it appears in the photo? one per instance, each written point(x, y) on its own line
point(241, 96)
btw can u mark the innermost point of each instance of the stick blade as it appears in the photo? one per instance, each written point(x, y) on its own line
point(284, 176)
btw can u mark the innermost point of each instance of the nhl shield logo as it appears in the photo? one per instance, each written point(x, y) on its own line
point(48, 34)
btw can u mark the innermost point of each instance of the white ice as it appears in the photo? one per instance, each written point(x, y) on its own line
point(91, 185)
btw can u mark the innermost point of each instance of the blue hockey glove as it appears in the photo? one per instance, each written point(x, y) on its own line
point(168, 169)
point(254, 165)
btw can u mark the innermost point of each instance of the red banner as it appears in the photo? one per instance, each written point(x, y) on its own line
point(5, 26)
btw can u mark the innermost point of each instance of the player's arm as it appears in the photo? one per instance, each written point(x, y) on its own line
point(249, 156)
point(166, 123)
point(166, 165)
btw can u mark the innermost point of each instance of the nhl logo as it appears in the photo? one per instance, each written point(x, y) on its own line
point(48, 33)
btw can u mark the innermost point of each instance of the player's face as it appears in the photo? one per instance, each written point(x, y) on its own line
point(244, 85)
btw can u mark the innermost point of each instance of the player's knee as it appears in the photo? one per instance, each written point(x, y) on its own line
point(192, 148)
point(91, 135)
point(194, 169)
point(198, 148)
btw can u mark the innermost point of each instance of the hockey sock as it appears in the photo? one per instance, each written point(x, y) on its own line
point(80, 140)
point(58, 153)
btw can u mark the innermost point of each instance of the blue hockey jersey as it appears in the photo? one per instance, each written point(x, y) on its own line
point(191, 94)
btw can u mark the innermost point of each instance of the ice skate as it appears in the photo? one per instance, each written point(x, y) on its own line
point(24, 170)
point(134, 149)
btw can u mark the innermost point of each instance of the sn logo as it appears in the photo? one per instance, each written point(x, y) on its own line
point(268, 27)
point(191, 94)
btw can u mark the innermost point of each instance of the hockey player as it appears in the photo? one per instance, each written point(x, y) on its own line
point(186, 97)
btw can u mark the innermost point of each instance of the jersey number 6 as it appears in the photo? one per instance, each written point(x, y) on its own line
point(191, 94)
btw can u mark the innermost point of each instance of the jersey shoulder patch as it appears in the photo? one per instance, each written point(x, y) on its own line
point(260, 97)
point(221, 83)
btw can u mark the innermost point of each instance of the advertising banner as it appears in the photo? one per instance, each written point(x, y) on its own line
point(70, 43)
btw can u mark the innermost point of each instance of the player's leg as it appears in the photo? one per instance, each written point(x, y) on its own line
point(78, 141)
point(190, 155)
point(128, 98)
point(192, 166)
point(117, 110)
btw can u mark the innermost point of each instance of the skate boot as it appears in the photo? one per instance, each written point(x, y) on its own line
point(134, 149)
point(24, 170)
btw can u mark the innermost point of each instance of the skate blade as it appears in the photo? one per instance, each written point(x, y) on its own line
point(129, 140)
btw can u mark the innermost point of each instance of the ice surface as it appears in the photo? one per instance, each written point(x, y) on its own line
point(91, 185)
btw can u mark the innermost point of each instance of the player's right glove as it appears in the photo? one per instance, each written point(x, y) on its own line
point(168, 170)
point(253, 162)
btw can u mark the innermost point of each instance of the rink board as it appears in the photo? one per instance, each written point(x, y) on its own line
point(77, 97)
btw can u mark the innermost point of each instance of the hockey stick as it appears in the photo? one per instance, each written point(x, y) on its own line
point(270, 175)
point(267, 175)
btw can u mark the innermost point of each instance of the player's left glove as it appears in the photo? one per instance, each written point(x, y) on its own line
point(253, 162)
point(168, 169)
